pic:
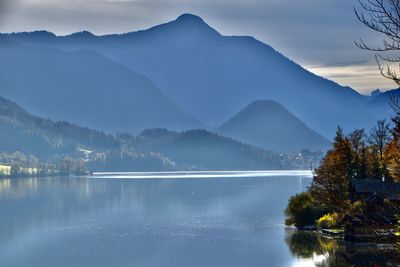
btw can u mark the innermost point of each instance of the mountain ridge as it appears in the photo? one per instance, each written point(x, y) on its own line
point(153, 149)
point(22, 131)
point(86, 88)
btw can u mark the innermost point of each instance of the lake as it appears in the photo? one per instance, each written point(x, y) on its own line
point(178, 219)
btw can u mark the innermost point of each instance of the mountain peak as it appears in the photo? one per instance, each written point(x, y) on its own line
point(376, 92)
point(36, 34)
point(81, 34)
point(268, 124)
point(193, 23)
point(187, 17)
point(263, 104)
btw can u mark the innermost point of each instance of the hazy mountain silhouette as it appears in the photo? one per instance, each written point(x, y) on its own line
point(155, 149)
point(203, 150)
point(212, 76)
point(269, 125)
point(86, 88)
point(380, 103)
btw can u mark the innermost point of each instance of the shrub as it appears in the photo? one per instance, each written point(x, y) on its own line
point(302, 211)
point(330, 220)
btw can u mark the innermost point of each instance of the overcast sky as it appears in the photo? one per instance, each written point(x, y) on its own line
point(318, 34)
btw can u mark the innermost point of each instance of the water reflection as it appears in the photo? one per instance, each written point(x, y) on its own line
point(321, 251)
point(148, 222)
point(236, 222)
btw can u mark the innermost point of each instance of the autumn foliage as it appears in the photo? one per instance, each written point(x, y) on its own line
point(356, 156)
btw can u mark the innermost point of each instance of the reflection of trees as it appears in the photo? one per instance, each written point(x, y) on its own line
point(306, 245)
point(303, 244)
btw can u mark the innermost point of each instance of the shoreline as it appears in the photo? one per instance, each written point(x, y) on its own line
point(176, 174)
point(356, 243)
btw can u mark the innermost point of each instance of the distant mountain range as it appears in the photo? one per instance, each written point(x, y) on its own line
point(380, 103)
point(269, 125)
point(212, 77)
point(180, 75)
point(157, 149)
point(86, 88)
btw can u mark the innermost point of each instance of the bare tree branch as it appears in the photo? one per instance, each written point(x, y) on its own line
point(382, 16)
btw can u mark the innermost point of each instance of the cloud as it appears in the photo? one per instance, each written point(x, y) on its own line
point(5, 6)
point(363, 78)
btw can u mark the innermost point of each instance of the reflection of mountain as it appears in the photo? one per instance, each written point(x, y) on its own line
point(307, 246)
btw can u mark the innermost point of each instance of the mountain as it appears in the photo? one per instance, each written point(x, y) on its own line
point(212, 76)
point(85, 88)
point(22, 131)
point(63, 148)
point(152, 150)
point(376, 93)
point(380, 103)
point(269, 125)
point(203, 150)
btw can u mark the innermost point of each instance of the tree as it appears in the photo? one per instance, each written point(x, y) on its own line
point(69, 166)
point(382, 16)
point(395, 105)
point(392, 159)
point(391, 153)
point(359, 154)
point(302, 211)
point(378, 139)
point(331, 184)
point(375, 169)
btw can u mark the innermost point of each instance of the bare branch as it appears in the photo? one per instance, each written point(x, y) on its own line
point(382, 16)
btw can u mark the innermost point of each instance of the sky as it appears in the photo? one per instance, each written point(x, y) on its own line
point(317, 34)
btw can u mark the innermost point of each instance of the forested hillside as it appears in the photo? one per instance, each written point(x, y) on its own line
point(31, 145)
point(20, 130)
point(200, 149)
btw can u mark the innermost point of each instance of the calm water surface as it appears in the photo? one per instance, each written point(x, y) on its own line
point(118, 220)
